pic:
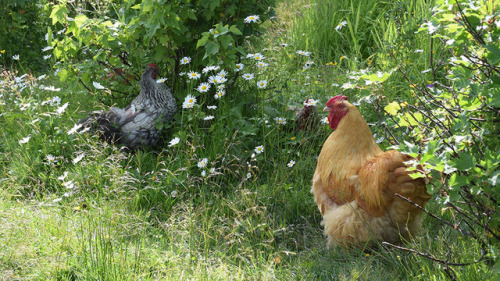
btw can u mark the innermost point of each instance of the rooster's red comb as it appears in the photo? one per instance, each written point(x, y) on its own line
point(152, 65)
point(336, 99)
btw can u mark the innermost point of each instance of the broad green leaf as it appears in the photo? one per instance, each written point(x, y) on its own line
point(211, 49)
point(80, 20)
point(464, 162)
point(58, 14)
point(409, 120)
point(377, 77)
point(457, 181)
point(392, 108)
point(235, 30)
point(225, 41)
point(202, 42)
point(63, 75)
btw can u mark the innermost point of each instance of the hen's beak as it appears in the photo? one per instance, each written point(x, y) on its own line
point(326, 109)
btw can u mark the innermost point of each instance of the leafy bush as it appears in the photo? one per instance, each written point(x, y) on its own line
point(452, 117)
point(24, 38)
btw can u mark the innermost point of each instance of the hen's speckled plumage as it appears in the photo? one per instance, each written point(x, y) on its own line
point(136, 124)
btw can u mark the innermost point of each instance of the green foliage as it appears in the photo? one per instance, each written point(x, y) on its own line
point(162, 32)
point(454, 118)
point(22, 36)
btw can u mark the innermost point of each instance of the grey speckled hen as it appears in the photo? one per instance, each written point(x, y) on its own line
point(137, 124)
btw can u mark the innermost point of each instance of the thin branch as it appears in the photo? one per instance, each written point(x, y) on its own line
point(454, 226)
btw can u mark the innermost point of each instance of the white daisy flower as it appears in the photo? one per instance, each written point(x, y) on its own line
point(308, 64)
point(46, 57)
point(284, 45)
point(74, 129)
point(249, 175)
point(340, 25)
point(262, 84)
point(239, 66)
point(219, 94)
point(60, 110)
point(280, 120)
point(212, 107)
point(259, 149)
point(262, 64)
point(193, 75)
point(51, 88)
point(310, 102)
point(210, 68)
point(161, 80)
point(347, 85)
point(185, 60)
point(173, 193)
point(47, 48)
point(214, 79)
point(203, 87)
point(203, 163)
point(51, 160)
point(248, 76)
point(222, 73)
point(15, 57)
point(290, 164)
point(250, 19)
point(173, 142)
point(97, 85)
point(209, 117)
point(303, 53)
point(418, 51)
point(189, 102)
point(258, 56)
point(61, 178)
point(325, 120)
point(203, 173)
point(78, 158)
point(69, 184)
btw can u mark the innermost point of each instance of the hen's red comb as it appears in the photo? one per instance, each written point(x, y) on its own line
point(336, 99)
point(152, 65)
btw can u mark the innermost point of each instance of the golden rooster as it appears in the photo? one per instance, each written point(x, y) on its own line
point(355, 184)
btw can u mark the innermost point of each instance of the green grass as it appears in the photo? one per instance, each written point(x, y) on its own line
point(150, 215)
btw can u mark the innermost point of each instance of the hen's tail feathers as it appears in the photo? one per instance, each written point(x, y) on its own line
point(349, 225)
point(102, 123)
point(353, 224)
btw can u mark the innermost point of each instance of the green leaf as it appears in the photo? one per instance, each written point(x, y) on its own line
point(63, 75)
point(464, 162)
point(392, 108)
point(225, 41)
point(457, 181)
point(80, 20)
point(235, 30)
point(58, 14)
point(376, 77)
point(410, 120)
point(202, 42)
point(211, 49)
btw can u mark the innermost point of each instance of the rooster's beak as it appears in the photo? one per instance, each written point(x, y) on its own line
point(326, 109)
